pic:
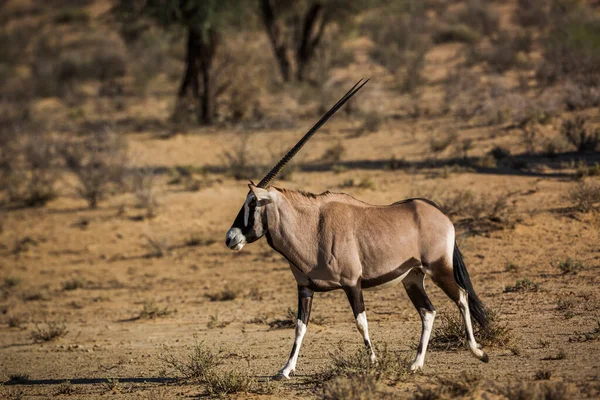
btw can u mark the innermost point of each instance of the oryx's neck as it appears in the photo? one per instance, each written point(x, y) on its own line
point(293, 226)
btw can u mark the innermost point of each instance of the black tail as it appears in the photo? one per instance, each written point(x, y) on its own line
point(461, 276)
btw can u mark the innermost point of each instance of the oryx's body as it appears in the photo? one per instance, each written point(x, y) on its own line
point(333, 241)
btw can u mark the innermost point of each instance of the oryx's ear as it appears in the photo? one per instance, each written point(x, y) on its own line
point(262, 195)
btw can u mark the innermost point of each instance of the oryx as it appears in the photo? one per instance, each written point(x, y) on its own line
point(333, 241)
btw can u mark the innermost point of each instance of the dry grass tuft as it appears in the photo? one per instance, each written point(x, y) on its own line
point(590, 336)
point(543, 375)
point(570, 266)
point(479, 214)
point(51, 331)
point(151, 311)
point(227, 294)
point(585, 196)
point(158, 247)
point(522, 285)
point(449, 333)
point(201, 366)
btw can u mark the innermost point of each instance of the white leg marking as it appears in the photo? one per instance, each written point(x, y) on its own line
point(291, 364)
point(363, 328)
point(463, 304)
point(427, 318)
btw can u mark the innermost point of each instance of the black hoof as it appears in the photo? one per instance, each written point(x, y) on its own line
point(485, 358)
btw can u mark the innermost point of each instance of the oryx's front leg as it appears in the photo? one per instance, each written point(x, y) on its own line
point(355, 297)
point(305, 296)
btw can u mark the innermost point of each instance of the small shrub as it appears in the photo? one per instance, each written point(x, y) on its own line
point(14, 321)
point(371, 123)
point(570, 266)
point(158, 247)
point(11, 281)
point(480, 214)
point(227, 294)
point(499, 153)
point(542, 375)
point(51, 331)
point(197, 240)
point(580, 137)
point(334, 153)
point(561, 355)
point(237, 161)
point(522, 285)
point(477, 15)
point(151, 311)
point(439, 144)
point(71, 15)
point(531, 13)
point(73, 284)
point(364, 183)
point(198, 364)
point(590, 336)
point(455, 33)
point(585, 196)
point(450, 333)
point(214, 322)
point(584, 171)
point(361, 387)
point(65, 388)
point(143, 181)
point(227, 382)
point(97, 161)
point(287, 322)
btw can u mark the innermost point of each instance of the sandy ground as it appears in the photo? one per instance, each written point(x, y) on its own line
point(105, 251)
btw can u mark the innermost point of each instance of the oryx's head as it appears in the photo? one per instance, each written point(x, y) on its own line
point(251, 222)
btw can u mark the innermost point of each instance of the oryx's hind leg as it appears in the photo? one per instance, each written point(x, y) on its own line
point(305, 296)
point(355, 297)
point(414, 285)
point(442, 275)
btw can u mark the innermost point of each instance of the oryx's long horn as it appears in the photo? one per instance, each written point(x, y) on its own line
point(269, 177)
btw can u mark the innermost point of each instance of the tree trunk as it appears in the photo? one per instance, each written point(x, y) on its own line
point(206, 54)
point(309, 39)
point(190, 76)
point(277, 40)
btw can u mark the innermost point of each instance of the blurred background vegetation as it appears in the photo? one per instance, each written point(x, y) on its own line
point(77, 74)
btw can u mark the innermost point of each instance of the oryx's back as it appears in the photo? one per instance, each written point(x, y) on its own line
point(384, 239)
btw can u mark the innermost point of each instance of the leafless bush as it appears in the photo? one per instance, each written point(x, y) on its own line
point(455, 33)
point(477, 15)
point(30, 170)
point(578, 96)
point(334, 153)
point(450, 333)
point(580, 137)
point(406, 44)
point(585, 196)
point(571, 49)
point(522, 285)
point(531, 13)
point(142, 183)
point(226, 294)
point(157, 246)
point(98, 162)
point(438, 144)
point(240, 162)
point(479, 214)
point(151, 311)
point(371, 123)
point(197, 365)
point(59, 65)
point(52, 330)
